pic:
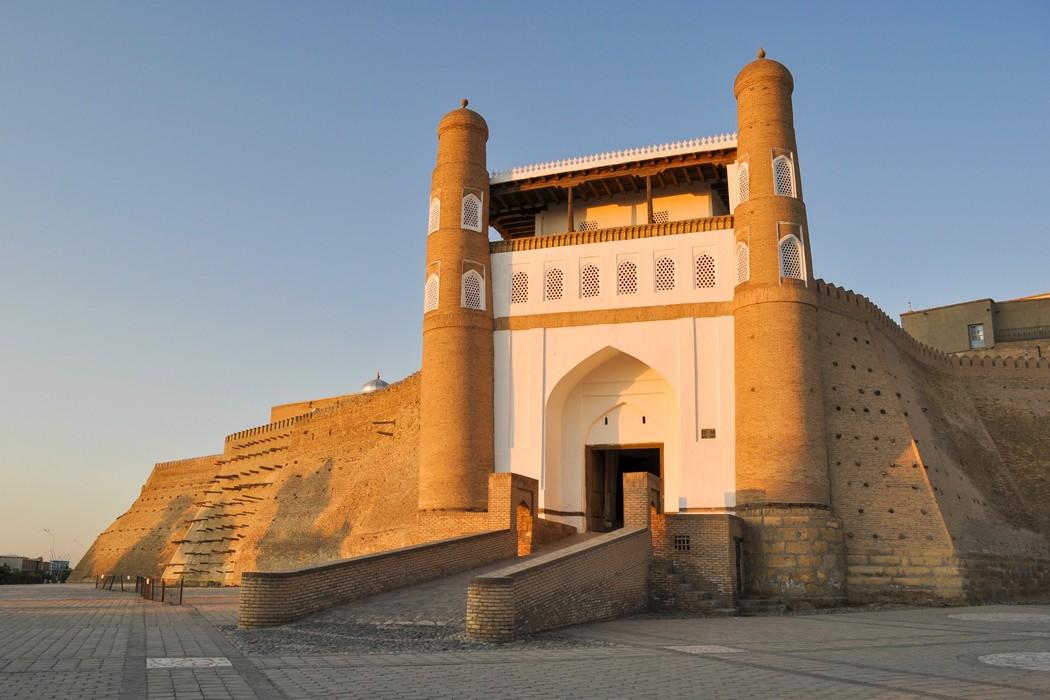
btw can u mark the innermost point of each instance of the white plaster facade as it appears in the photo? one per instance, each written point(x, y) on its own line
point(554, 388)
point(683, 249)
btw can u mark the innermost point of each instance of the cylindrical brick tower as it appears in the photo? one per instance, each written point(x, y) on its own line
point(456, 431)
point(781, 454)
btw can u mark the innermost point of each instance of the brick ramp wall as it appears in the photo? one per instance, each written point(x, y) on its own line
point(599, 579)
point(546, 531)
point(277, 597)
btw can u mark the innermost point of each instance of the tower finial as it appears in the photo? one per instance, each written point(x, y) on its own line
point(761, 52)
point(464, 102)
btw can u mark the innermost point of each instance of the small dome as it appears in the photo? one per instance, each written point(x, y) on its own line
point(374, 385)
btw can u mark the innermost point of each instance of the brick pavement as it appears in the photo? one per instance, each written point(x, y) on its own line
point(74, 642)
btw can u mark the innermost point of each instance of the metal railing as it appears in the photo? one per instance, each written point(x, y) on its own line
point(147, 587)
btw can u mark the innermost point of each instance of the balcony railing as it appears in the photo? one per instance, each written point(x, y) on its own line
point(622, 233)
point(1027, 333)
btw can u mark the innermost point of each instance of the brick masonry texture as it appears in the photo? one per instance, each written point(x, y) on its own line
point(273, 598)
point(602, 578)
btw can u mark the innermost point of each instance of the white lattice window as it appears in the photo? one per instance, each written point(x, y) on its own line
point(430, 293)
point(471, 212)
point(705, 271)
point(473, 296)
point(743, 263)
point(661, 217)
point(743, 183)
point(435, 215)
point(626, 277)
point(519, 287)
point(555, 284)
point(590, 225)
point(791, 258)
point(783, 177)
point(590, 281)
point(664, 274)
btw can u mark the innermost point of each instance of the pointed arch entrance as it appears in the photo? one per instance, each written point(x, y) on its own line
point(611, 414)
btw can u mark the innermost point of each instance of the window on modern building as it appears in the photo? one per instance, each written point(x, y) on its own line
point(473, 295)
point(743, 183)
point(555, 284)
point(519, 287)
point(590, 281)
point(471, 219)
point(743, 263)
point(430, 293)
point(626, 277)
point(976, 333)
point(664, 274)
point(435, 215)
point(705, 271)
point(791, 258)
point(783, 177)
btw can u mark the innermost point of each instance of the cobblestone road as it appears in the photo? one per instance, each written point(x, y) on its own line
point(75, 642)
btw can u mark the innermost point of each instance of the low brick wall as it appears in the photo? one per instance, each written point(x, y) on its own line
point(599, 579)
point(277, 597)
point(994, 579)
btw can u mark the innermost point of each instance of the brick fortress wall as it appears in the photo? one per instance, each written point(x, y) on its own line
point(938, 464)
point(140, 542)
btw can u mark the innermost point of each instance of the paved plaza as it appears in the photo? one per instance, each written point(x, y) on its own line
point(72, 641)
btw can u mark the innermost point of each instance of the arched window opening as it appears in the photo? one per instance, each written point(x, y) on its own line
point(471, 212)
point(705, 271)
point(473, 291)
point(430, 293)
point(519, 287)
point(435, 215)
point(791, 258)
point(743, 187)
point(783, 177)
point(590, 281)
point(626, 277)
point(555, 284)
point(664, 274)
point(523, 520)
point(743, 263)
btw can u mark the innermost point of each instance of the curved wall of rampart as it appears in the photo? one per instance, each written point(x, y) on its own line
point(936, 462)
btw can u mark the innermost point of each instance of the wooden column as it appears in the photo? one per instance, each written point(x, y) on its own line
point(648, 199)
point(572, 226)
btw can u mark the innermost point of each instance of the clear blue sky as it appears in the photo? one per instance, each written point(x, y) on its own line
point(209, 208)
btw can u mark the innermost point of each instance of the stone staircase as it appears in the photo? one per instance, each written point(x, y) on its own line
point(675, 589)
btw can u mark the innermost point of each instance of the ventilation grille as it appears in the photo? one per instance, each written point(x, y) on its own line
point(783, 178)
point(430, 294)
point(588, 226)
point(472, 213)
point(790, 258)
point(743, 263)
point(590, 281)
point(626, 278)
point(519, 287)
point(682, 543)
point(705, 272)
point(664, 274)
point(435, 215)
point(743, 188)
point(472, 294)
point(661, 217)
point(555, 284)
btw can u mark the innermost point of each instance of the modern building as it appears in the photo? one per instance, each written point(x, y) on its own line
point(1018, 327)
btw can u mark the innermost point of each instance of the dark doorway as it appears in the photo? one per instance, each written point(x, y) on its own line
point(606, 466)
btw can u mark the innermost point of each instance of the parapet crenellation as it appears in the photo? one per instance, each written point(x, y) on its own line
point(841, 300)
